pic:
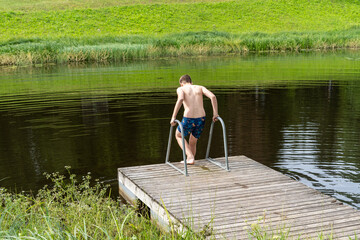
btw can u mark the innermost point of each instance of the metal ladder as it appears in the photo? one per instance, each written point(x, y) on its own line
point(185, 172)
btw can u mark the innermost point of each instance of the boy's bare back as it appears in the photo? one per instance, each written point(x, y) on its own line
point(192, 96)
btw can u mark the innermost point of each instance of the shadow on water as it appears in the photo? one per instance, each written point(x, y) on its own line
point(298, 114)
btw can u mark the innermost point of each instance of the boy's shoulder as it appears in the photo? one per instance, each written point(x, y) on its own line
point(193, 86)
point(197, 86)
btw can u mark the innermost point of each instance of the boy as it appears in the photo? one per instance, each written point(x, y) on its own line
point(191, 97)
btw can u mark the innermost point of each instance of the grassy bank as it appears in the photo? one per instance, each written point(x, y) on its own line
point(115, 49)
point(171, 29)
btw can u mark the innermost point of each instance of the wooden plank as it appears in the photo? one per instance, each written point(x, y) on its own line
point(171, 184)
point(235, 199)
point(345, 229)
point(228, 197)
point(278, 210)
point(250, 214)
point(246, 173)
point(192, 170)
point(309, 220)
point(155, 169)
point(279, 186)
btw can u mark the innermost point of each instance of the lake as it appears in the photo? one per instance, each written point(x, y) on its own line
point(296, 113)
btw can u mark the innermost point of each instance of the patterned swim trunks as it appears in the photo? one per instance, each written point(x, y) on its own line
point(195, 126)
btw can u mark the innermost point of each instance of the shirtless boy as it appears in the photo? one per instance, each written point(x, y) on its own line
point(191, 97)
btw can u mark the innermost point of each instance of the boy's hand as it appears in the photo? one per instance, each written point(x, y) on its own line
point(215, 118)
point(172, 122)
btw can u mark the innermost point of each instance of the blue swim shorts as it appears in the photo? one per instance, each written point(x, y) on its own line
point(195, 126)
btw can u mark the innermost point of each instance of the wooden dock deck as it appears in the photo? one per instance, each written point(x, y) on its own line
point(228, 203)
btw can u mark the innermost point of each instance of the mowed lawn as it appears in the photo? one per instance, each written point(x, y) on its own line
point(36, 5)
point(56, 19)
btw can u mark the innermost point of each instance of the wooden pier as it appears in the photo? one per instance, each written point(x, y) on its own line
point(228, 204)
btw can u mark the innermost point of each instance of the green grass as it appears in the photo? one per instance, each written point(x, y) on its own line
point(170, 29)
point(269, 16)
point(69, 209)
point(38, 5)
point(114, 49)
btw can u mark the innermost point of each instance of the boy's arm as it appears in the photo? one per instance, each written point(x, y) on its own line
point(177, 107)
point(214, 104)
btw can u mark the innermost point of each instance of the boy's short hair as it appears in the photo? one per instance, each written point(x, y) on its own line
point(185, 78)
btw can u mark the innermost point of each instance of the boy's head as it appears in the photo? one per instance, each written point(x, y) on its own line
point(185, 79)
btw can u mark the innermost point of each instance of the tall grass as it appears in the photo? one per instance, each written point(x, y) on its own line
point(69, 209)
point(114, 49)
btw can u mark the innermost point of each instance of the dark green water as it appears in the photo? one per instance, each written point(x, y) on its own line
point(298, 114)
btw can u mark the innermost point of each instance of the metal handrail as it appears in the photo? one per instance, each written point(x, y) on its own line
point(184, 151)
point(226, 167)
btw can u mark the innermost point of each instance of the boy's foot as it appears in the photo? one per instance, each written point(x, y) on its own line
point(189, 162)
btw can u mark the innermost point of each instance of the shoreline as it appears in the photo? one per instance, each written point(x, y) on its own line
point(189, 44)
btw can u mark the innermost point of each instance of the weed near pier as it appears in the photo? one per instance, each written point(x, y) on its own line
point(71, 210)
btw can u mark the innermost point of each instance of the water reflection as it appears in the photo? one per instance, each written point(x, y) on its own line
point(297, 114)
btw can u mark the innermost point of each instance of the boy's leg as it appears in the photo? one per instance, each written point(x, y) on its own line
point(189, 154)
point(198, 124)
point(192, 144)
